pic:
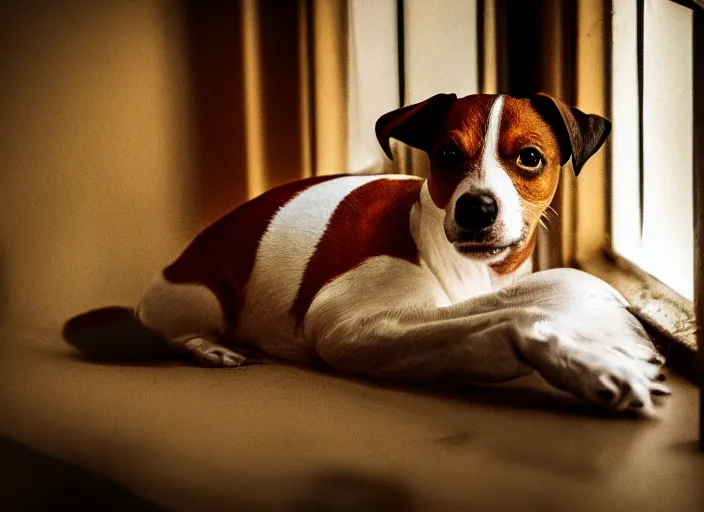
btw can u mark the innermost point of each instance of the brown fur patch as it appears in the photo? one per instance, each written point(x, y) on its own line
point(522, 126)
point(465, 125)
point(373, 220)
point(516, 257)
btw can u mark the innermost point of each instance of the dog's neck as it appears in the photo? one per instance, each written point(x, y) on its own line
point(459, 277)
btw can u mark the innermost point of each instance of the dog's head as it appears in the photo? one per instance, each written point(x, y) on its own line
point(494, 164)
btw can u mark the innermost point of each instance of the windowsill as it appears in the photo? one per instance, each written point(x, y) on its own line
point(667, 316)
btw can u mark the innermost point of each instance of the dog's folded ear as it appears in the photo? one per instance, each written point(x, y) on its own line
point(413, 124)
point(580, 135)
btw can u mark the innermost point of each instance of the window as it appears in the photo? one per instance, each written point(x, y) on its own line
point(652, 157)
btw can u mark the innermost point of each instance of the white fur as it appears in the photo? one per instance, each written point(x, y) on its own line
point(569, 326)
point(496, 179)
point(191, 319)
point(442, 320)
point(181, 311)
point(459, 277)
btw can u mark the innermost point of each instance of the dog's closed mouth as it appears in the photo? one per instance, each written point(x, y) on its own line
point(489, 250)
point(484, 249)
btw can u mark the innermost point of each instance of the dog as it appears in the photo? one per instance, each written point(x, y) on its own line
point(395, 277)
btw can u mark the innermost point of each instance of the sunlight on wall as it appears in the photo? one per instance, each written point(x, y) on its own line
point(373, 82)
point(331, 83)
point(449, 64)
point(373, 78)
point(668, 241)
point(625, 196)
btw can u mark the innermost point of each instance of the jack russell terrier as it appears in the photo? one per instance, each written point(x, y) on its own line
point(396, 277)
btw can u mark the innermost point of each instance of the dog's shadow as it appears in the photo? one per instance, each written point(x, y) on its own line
point(521, 394)
point(526, 393)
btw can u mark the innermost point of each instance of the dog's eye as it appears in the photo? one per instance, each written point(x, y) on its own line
point(449, 155)
point(530, 158)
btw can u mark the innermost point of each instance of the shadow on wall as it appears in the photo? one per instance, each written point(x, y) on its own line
point(249, 129)
point(215, 54)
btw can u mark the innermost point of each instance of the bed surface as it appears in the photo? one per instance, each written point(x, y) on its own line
point(278, 437)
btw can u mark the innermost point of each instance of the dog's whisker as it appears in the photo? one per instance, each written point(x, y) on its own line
point(551, 212)
point(546, 221)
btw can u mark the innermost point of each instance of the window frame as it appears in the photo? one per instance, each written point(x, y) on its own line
point(698, 169)
point(677, 324)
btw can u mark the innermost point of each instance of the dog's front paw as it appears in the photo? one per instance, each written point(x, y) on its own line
point(619, 382)
point(599, 373)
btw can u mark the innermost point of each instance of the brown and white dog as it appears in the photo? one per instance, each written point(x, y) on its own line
point(395, 277)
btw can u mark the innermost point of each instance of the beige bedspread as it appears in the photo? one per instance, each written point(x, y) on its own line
point(286, 438)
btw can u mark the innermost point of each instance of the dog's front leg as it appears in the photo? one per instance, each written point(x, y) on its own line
point(599, 353)
point(405, 345)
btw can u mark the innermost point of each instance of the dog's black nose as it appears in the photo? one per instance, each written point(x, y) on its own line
point(476, 212)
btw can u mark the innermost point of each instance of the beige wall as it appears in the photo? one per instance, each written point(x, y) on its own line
point(95, 159)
